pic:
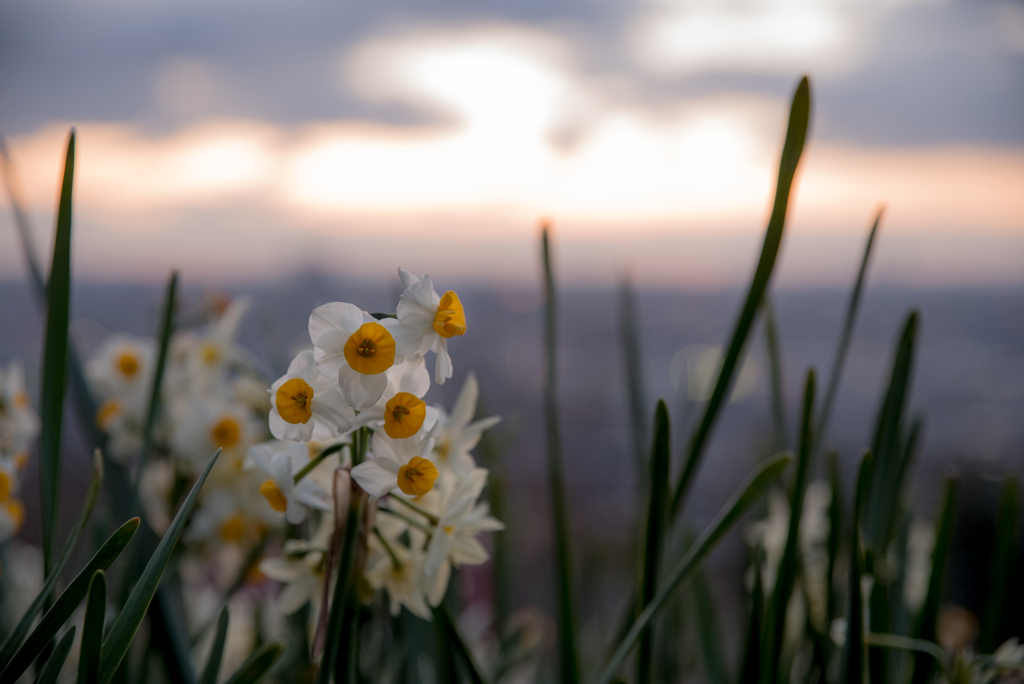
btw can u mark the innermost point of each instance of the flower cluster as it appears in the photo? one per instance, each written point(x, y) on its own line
point(359, 393)
point(19, 426)
point(211, 398)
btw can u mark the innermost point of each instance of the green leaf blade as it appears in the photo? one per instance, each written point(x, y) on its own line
point(123, 631)
point(15, 638)
point(796, 136)
point(256, 666)
point(755, 487)
point(68, 601)
point(567, 658)
point(92, 630)
point(166, 329)
point(455, 640)
point(55, 663)
point(775, 619)
point(1003, 557)
point(212, 668)
point(55, 354)
point(655, 532)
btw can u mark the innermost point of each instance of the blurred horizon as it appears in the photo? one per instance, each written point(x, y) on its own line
point(246, 144)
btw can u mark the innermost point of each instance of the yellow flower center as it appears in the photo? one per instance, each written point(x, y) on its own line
point(127, 364)
point(5, 486)
point(417, 477)
point(233, 529)
point(21, 400)
point(21, 460)
point(16, 510)
point(225, 433)
point(274, 497)
point(295, 401)
point(371, 349)
point(403, 415)
point(106, 414)
point(450, 319)
point(210, 354)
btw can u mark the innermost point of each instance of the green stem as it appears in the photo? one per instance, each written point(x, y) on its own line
point(418, 525)
point(432, 518)
point(387, 547)
point(308, 468)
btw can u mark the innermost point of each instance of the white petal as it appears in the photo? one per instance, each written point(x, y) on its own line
point(295, 595)
point(336, 317)
point(374, 479)
point(437, 585)
point(331, 412)
point(282, 429)
point(303, 366)
point(280, 569)
point(465, 405)
point(413, 376)
point(407, 338)
point(437, 551)
point(295, 513)
point(361, 391)
point(443, 368)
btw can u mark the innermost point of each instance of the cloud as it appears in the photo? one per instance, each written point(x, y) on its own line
point(489, 163)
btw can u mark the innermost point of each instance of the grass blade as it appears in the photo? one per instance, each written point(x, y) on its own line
point(55, 663)
point(55, 354)
point(21, 219)
point(796, 134)
point(750, 669)
point(14, 639)
point(835, 526)
point(568, 662)
point(212, 668)
point(1004, 556)
point(655, 533)
point(775, 376)
point(775, 618)
point(92, 630)
point(708, 633)
point(924, 666)
point(889, 462)
point(128, 620)
point(750, 493)
point(256, 666)
point(455, 641)
point(846, 334)
point(853, 650)
point(166, 328)
point(68, 601)
point(628, 328)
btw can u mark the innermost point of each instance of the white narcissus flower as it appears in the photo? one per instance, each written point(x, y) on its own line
point(401, 409)
point(19, 424)
point(399, 571)
point(355, 347)
point(433, 318)
point(203, 426)
point(459, 433)
point(461, 519)
point(397, 464)
point(123, 367)
point(305, 405)
point(281, 461)
point(303, 578)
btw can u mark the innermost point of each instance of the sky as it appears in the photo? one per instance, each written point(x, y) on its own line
point(247, 140)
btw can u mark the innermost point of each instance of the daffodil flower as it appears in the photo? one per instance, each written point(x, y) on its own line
point(433, 319)
point(459, 433)
point(461, 519)
point(280, 461)
point(397, 464)
point(305, 405)
point(303, 578)
point(355, 347)
point(401, 409)
point(122, 367)
point(203, 426)
point(399, 571)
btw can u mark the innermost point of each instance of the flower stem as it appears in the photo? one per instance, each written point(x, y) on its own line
point(308, 468)
point(410, 504)
point(387, 547)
